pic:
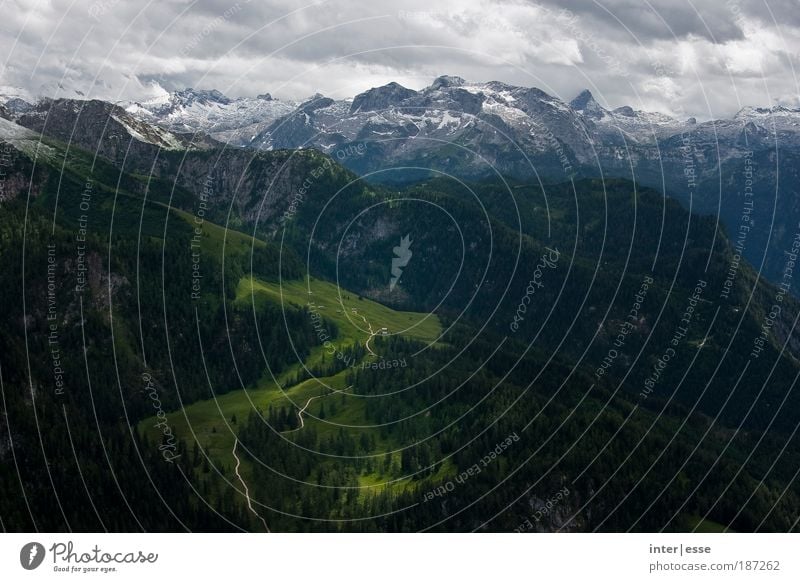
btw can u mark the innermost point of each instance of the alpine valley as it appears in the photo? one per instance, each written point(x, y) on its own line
point(472, 307)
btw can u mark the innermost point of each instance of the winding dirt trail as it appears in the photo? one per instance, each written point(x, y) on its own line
point(246, 489)
point(372, 333)
point(310, 400)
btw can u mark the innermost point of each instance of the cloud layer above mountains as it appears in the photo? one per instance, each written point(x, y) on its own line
point(703, 58)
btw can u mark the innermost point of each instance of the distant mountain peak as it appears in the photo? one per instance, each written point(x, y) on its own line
point(8, 92)
point(482, 114)
point(764, 112)
point(582, 99)
point(17, 106)
point(316, 101)
point(447, 81)
point(585, 104)
point(189, 96)
point(313, 98)
point(379, 98)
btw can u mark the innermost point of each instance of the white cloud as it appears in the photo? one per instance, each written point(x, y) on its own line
point(717, 57)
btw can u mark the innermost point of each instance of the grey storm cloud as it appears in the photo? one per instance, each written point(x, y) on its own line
point(700, 57)
point(647, 20)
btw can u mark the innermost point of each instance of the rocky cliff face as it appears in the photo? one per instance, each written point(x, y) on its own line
point(107, 130)
point(240, 187)
point(453, 126)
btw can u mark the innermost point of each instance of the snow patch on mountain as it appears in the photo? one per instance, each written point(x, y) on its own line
point(229, 120)
point(149, 133)
point(450, 109)
point(25, 140)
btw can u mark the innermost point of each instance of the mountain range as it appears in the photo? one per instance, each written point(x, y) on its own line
point(478, 130)
point(297, 332)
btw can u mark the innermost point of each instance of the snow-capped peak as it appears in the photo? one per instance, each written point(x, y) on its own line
point(379, 98)
point(211, 111)
point(586, 105)
point(446, 81)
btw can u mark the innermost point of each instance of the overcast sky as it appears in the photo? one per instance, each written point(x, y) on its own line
point(705, 58)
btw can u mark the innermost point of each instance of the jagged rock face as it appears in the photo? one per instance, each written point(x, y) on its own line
point(449, 108)
point(492, 126)
point(456, 99)
point(447, 81)
point(108, 130)
point(188, 98)
point(471, 130)
point(316, 102)
point(17, 106)
point(482, 127)
point(19, 176)
point(259, 185)
point(190, 95)
point(236, 121)
point(586, 105)
point(624, 111)
point(475, 130)
point(381, 98)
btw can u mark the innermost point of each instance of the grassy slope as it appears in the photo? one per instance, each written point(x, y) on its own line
point(214, 236)
point(352, 315)
point(209, 422)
